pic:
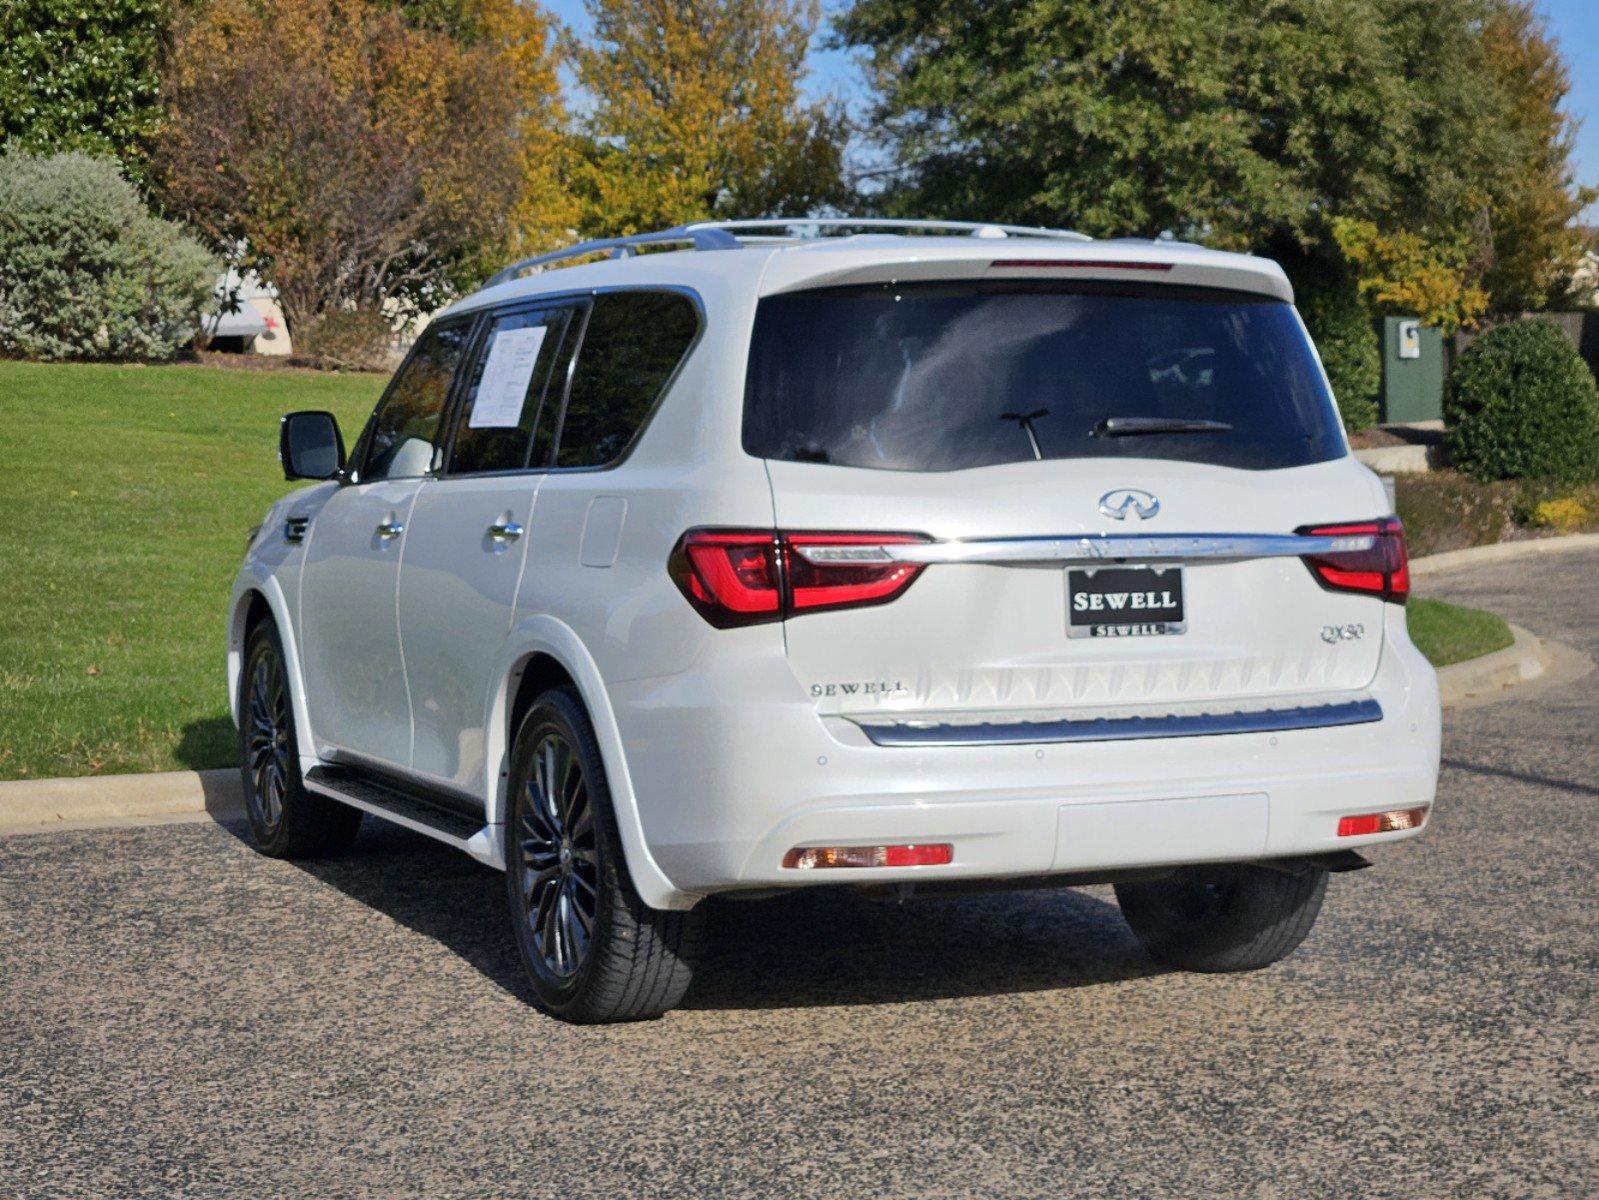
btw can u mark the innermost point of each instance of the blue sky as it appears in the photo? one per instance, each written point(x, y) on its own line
point(1575, 23)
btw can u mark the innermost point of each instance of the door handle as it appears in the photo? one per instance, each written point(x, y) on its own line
point(505, 531)
point(390, 529)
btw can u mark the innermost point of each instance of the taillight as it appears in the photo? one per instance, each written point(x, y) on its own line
point(916, 854)
point(1396, 821)
point(730, 576)
point(1381, 569)
point(745, 576)
point(844, 570)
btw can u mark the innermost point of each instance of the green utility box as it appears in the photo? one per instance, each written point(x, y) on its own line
point(1412, 371)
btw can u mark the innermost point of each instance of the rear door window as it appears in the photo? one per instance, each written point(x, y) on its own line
point(511, 393)
point(947, 376)
point(631, 347)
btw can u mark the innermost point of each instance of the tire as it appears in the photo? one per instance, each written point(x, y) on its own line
point(593, 950)
point(286, 820)
point(1226, 918)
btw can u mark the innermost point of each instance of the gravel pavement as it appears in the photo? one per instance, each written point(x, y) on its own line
point(181, 1017)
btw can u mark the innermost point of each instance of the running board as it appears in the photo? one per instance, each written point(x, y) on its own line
point(1119, 729)
point(360, 789)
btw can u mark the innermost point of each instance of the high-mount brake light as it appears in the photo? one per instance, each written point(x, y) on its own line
point(916, 854)
point(1080, 264)
point(746, 576)
point(1381, 568)
point(1396, 821)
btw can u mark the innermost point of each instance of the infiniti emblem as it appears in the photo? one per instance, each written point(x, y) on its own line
point(1117, 504)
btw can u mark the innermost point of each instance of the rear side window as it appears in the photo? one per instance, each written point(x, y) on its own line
point(506, 414)
point(943, 377)
point(631, 347)
point(404, 440)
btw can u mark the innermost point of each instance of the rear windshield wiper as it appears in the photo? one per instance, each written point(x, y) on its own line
point(1141, 426)
point(1025, 420)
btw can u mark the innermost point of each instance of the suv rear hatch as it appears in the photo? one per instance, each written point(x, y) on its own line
point(1096, 488)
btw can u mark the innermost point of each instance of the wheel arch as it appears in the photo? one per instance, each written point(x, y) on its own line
point(544, 652)
point(258, 597)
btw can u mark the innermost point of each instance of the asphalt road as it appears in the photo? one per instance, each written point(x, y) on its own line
point(180, 1017)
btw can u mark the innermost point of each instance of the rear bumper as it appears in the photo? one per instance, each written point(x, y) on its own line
point(726, 789)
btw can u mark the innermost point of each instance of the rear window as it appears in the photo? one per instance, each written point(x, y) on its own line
point(943, 377)
point(631, 346)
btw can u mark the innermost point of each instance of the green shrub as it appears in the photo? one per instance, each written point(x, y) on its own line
point(1521, 404)
point(1444, 510)
point(354, 340)
point(86, 271)
point(77, 76)
point(1346, 338)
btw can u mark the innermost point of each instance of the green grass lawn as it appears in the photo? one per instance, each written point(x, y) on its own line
point(125, 496)
point(1448, 633)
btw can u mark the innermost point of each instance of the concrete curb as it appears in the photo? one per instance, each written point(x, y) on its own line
point(95, 801)
point(1431, 564)
point(1523, 661)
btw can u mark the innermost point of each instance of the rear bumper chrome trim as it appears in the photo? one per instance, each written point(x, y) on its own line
point(1096, 547)
point(1119, 729)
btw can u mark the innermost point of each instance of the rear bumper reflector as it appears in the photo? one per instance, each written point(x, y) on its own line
point(1122, 729)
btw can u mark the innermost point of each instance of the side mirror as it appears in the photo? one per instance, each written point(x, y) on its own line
point(310, 445)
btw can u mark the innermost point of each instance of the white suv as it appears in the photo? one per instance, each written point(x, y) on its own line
point(788, 554)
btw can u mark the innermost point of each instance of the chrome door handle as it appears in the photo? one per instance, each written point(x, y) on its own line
point(390, 529)
point(505, 531)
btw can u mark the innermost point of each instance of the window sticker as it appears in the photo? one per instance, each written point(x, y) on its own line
point(506, 375)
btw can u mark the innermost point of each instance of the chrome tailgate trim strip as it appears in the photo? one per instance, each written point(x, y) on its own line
point(1118, 729)
point(1097, 547)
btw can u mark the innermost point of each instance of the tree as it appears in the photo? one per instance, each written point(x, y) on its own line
point(1402, 275)
point(1537, 244)
point(356, 161)
point(1244, 124)
point(521, 35)
point(696, 113)
point(81, 76)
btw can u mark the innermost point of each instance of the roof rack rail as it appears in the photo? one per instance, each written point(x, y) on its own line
point(722, 235)
point(622, 247)
point(982, 229)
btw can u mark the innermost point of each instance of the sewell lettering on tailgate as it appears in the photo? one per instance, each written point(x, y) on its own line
point(858, 687)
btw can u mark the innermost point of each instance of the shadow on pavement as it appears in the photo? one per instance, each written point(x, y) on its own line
point(1559, 785)
point(838, 948)
point(806, 949)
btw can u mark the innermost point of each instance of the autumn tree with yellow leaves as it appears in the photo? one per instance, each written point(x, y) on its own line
point(360, 157)
point(695, 112)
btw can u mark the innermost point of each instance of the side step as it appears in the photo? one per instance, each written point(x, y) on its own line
point(361, 789)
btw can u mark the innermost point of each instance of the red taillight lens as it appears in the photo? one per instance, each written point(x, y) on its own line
point(1384, 822)
point(744, 576)
point(840, 570)
point(1381, 570)
point(731, 577)
point(916, 854)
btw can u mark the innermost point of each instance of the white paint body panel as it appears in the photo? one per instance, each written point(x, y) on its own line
point(354, 672)
point(1254, 626)
point(719, 756)
point(457, 593)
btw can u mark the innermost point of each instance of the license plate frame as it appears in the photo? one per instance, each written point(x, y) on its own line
point(1153, 600)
